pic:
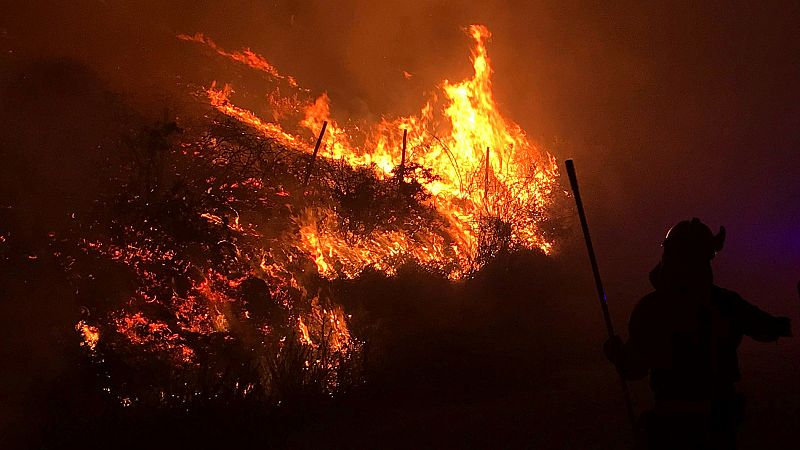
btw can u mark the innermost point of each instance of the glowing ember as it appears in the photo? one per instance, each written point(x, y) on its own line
point(90, 334)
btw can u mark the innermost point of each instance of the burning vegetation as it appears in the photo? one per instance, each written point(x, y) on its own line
point(230, 231)
point(471, 163)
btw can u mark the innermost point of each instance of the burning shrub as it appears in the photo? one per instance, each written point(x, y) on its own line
point(515, 181)
point(215, 311)
point(366, 203)
point(494, 238)
point(207, 275)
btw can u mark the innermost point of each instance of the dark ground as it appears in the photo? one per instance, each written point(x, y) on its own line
point(503, 361)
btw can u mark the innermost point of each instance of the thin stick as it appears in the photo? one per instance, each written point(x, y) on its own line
point(314, 155)
point(486, 176)
point(601, 293)
point(402, 168)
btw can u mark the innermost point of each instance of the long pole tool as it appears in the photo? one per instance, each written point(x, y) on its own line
point(598, 282)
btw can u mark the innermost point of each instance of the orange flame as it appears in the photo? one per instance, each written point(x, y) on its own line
point(452, 138)
point(246, 56)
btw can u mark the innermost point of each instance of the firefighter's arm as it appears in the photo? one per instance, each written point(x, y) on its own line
point(631, 357)
point(760, 325)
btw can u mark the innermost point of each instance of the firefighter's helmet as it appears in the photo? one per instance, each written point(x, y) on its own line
point(693, 237)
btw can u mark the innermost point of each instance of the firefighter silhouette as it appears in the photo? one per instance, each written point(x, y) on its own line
point(685, 334)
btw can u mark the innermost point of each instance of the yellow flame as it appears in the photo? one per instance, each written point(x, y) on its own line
point(452, 136)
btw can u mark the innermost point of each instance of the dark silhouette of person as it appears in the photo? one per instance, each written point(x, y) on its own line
point(686, 334)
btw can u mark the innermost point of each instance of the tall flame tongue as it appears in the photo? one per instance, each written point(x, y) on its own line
point(246, 56)
point(449, 137)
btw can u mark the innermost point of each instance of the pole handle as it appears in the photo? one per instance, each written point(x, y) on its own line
point(573, 177)
point(601, 294)
point(598, 283)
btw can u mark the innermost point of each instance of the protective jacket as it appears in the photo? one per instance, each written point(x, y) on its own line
point(688, 338)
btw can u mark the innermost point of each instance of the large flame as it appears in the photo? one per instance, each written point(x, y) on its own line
point(452, 138)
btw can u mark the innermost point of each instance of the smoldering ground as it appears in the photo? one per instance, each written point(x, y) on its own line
point(670, 112)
